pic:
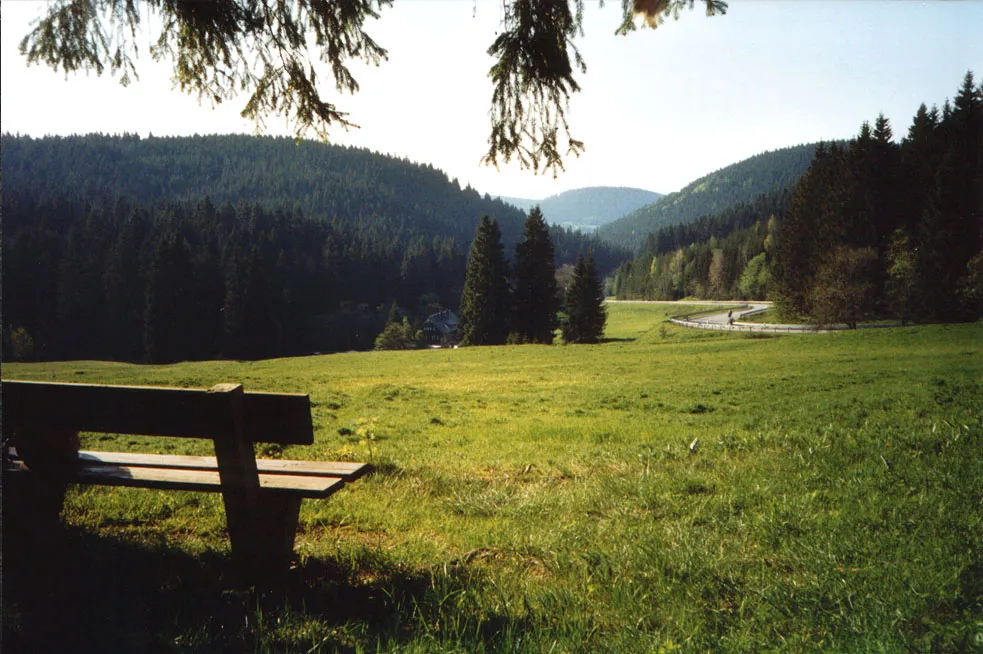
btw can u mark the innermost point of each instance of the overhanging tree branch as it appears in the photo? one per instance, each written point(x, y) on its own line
point(262, 48)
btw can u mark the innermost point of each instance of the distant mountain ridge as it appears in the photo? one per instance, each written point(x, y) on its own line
point(588, 208)
point(385, 198)
point(396, 197)
point(711, 194)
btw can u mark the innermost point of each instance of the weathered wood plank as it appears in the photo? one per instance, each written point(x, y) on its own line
point(198, 480)
point(150, 411)
point(345, 470)
point(205, 481)
point(279, 514)
point(240, 478)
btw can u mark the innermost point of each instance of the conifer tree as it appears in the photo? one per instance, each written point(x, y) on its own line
point(922, 126)
point(250, 330)
point(168, 323)
point(919, 159)
point(586, 315)
point(949, 229)
point(125, 290)
point(484, 318)
point(882, 130)
point(534, 317)
point(81, 296)
point(804, 231)
point(916, 206)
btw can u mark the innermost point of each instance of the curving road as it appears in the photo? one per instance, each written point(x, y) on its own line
point(731, 320)
point(721, 321)
point(726, 318)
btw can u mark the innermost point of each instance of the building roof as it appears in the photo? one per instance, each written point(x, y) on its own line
point(445, 321)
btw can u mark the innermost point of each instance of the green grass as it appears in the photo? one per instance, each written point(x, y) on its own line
point(772, 316)
point(532, 498)
point(769, 315)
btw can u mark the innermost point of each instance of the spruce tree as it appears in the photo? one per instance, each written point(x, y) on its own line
point(484, 318)
point(126, 290)
point(806, 230)
point(168, 322)
point(534, 317)
point(948, 234)
point(883, 133)
point(920, 160)
point(250, 330)
point(922, 126)
point(586, 315)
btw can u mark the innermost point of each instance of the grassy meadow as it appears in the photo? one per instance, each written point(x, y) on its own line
point(667, 490)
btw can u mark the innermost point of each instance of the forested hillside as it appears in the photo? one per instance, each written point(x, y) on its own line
point(874, 228)
point(881, 228)
point(719, 257)
point(588, 208)
point(163, 249)
point(381, 196)
point(711, 194)
point(392, 198)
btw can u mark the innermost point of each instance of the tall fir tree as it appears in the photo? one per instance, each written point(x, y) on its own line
point(919, 159)
point(883, 133)
point(949, 232)
point(919, 206)
point(125, 287)
point(81, 297)
point(484, 318)
point(250, 328)
point(169, 320)
point(536, 303)
point(586, 315)
point(808, 228)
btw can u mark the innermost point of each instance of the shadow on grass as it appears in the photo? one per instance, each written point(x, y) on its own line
point(68, 590)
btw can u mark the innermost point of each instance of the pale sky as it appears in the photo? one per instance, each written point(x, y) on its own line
point(657, 109)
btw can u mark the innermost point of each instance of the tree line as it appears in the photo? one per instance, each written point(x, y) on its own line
point(193, 281)
point(712, 194)
point(499, 307)
point(109, 254)
point(883, 228)
point(200, 281)
point(386, 197)
point(716, 257)
point(874, 228)
point(518, 303)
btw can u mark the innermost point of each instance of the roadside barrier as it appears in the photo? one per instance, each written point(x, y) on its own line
point(766, 328)
point(759, 328)
point(711, 312)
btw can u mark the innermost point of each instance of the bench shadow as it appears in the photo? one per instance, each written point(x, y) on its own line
point(68, 590)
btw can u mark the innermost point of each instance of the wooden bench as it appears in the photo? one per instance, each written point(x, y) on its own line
point(262, 496)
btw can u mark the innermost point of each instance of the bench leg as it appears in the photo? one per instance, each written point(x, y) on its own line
point(280, 517)
point(265, 560)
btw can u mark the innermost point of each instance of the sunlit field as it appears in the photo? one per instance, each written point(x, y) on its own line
point(668, 489)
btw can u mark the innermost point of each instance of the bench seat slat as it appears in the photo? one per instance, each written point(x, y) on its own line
point(201, 480)
point(342, 469)
point(205, 481)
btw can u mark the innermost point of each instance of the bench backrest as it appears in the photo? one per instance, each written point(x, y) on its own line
point(283, 418)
